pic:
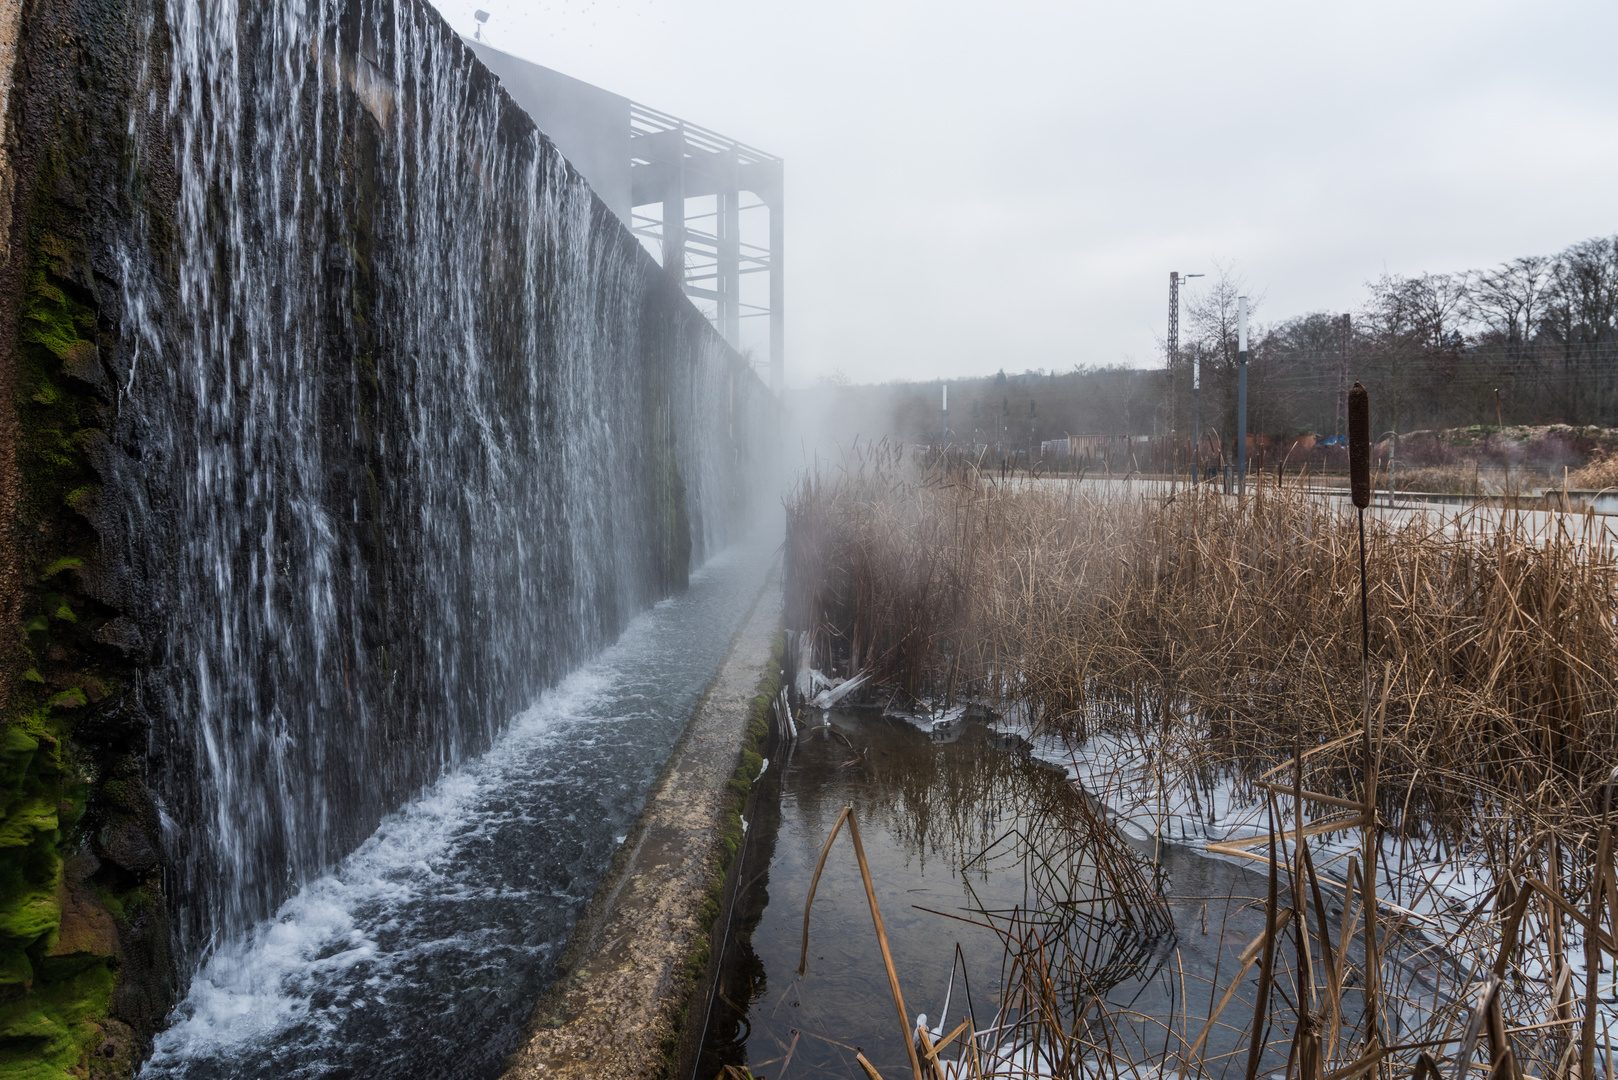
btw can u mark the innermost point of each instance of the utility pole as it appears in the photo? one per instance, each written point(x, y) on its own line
point(1174, 321)
point(1030, 433)
point(1241, 396)
point(945, 441)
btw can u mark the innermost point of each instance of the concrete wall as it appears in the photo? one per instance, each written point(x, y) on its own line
point(448, 363)
point(589, 125)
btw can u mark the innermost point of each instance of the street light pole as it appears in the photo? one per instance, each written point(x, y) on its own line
point(1174, 355)
point(1175, 278)
point(1196, 419)
point(1196, 394)
point(1241, 396)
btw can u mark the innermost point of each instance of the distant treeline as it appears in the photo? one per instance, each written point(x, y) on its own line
point(1005, 410)
point(1433, 349)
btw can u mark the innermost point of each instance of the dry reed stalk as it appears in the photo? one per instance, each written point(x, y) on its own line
point(847, 815)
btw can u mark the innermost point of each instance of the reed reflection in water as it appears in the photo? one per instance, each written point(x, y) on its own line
point(945, 817)
point(974, 846)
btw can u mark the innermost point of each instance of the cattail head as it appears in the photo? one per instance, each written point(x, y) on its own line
point(1359, 445)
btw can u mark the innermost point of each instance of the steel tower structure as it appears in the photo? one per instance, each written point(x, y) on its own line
point(673, 160)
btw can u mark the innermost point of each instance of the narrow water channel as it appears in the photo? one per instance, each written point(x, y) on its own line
point(422, 953)
point(941, 814)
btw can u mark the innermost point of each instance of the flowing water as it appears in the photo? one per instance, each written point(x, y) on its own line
point(422, 953)
point(408, 427)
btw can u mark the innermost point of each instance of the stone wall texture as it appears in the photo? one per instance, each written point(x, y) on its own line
point(338, 417)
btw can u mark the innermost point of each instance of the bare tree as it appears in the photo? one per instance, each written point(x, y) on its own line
point(1294, 385)
point(1392, 330)
point(1210, 333)
point(1438, 302)
point(1510, 300)
point(1580, 318)
point(1211, 313)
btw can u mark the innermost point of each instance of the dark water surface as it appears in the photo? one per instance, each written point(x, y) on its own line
point(928, 805)
point(422, 954)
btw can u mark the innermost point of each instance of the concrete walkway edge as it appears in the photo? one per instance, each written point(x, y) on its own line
point(619, 1005)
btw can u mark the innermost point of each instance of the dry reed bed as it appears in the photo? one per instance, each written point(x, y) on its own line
point(1224, 635)
point(1230, 631)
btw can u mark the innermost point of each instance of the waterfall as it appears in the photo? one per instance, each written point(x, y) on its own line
point(407, 426)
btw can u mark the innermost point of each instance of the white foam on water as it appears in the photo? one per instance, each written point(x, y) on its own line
point(252, 990)
point(351, 939)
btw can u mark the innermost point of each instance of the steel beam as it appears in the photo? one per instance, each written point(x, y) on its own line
point(777, 298)
point(729, 254)
point(674, 211)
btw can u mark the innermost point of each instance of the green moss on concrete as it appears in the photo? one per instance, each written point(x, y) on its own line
point(53, 1034)
point(750, 763)
point(71, 698)
point(53, 1002)
point(58, 973)
point(73, 966)
point(40, 1019)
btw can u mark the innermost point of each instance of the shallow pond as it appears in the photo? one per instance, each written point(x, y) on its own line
point(942, 815)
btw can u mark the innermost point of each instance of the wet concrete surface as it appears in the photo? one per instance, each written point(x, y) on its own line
point(621, 1000)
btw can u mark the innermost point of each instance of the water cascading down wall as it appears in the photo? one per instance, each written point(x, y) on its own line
point(340, 418)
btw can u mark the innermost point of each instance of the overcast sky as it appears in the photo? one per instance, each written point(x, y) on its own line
point(977, 186)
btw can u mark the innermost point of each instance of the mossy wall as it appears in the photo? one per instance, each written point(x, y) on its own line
point(101, 896)
point(84, 971)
